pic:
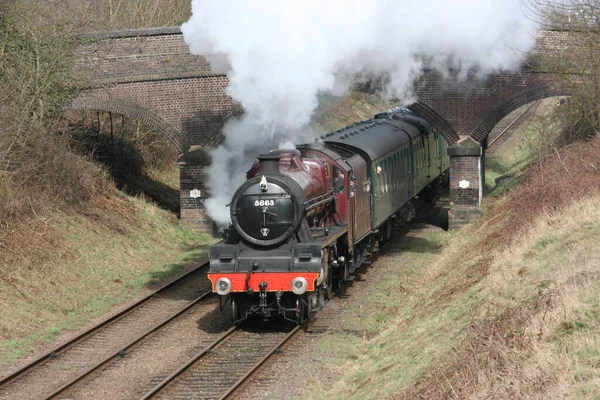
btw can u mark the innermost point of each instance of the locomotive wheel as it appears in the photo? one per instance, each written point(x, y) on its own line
point(239, 308)
point(329, 290)
point(301, 316)
point(234, 309)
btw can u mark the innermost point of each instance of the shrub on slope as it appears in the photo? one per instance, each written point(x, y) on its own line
point(536, 331)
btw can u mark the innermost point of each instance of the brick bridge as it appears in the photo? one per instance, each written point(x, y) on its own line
point(149, 75)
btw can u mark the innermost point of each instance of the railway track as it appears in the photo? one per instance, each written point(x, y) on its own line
point(68, 364)
point(173, 345)
point(272, 380)
point(223, 366)
point(529, 110)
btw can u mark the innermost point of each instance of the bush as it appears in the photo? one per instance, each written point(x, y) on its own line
point(577, 64)
point(40, 173)
point(554, 182)
point(37, 76)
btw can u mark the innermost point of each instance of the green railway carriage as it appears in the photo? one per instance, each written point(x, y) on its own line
point(404, 155)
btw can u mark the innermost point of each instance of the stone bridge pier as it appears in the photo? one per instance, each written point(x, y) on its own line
point(467, 181)
point(193, 191)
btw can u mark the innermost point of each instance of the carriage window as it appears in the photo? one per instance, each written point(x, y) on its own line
point(338, 180)
point(394, 169)
point(390, 170)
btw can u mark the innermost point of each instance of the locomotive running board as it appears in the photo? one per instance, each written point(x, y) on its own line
point(335, 234)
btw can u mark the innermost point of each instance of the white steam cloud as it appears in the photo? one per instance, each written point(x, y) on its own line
point(280, 55)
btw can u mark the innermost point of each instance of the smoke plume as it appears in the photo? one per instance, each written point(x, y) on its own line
point(280, 55)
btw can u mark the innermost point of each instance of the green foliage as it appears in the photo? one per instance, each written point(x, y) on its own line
point(546, 241)
point(38, 68)
point(101, 15)
point(38, 74)
point(566, 328)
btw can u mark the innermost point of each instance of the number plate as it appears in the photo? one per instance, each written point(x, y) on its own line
point(264, 203)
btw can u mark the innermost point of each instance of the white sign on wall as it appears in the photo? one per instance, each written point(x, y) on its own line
point(464, 184)
point(194, 194)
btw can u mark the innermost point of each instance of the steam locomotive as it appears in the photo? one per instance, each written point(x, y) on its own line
point(307, 218)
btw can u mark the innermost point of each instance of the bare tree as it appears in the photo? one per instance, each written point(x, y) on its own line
point(574, 39)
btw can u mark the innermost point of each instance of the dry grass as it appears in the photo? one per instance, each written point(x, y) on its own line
point(508, 308)
point(40, 172)
point(537, 328)
point(554, 182)
point(335, 113)
point(537, 333)
point(60, 270)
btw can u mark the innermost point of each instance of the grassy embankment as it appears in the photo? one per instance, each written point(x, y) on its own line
point(64, 268)
point(71, 244)
point(506, 308)
point(505, 167)
point(335, 113)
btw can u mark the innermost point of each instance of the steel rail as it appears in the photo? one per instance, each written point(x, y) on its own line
point(165, 382)
point(236, 386)
point(121, 352)
point(512, 123)
point(93, 330)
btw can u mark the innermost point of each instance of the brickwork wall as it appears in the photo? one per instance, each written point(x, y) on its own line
point(552, 42)
point(461, 169)
point(473, 106)
point(143, 54)
point(466, 107)
point(464, 202)
point(505, 106)
point(154, 69)
point(193, 215)
point(195, 107)
point(464, 104)
point(459, 216)
point(439, 122)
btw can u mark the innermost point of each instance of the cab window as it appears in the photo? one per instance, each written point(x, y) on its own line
point(338, 180)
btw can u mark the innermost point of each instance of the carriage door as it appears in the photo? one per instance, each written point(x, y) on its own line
point(360, 188)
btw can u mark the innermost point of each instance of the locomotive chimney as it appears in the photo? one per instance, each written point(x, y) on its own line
point(269, 164)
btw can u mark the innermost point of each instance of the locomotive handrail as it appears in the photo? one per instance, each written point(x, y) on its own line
point(329, 193)
point(316, 202)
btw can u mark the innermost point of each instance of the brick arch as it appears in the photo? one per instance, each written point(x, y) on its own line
point(439, 122)
point(485, 126)
point(134, 111)
point(216, 139)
